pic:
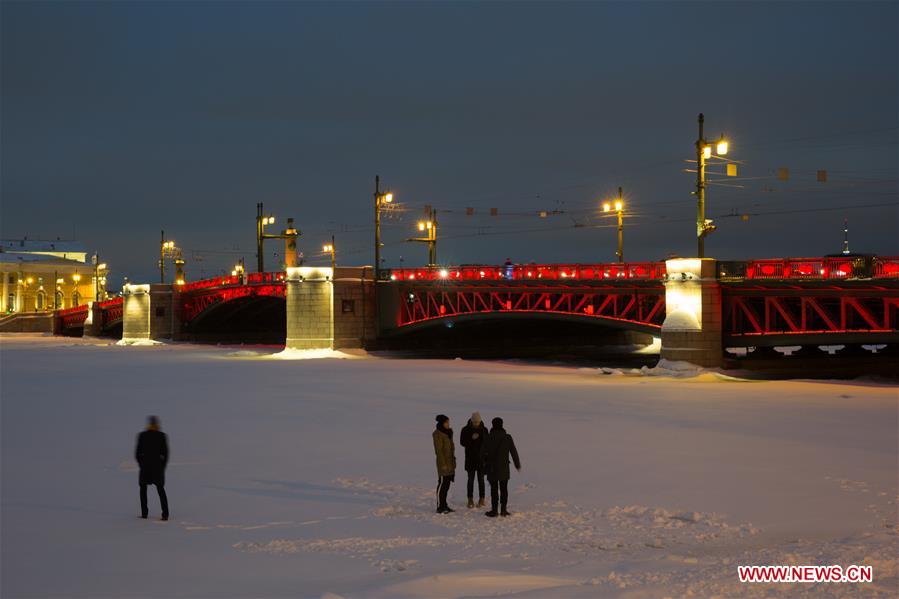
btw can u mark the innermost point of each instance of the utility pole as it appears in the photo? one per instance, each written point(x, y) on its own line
point(260, 252)
point(380, 198)
point(700, 189)
point(432, 235)
point(619, 209)
point(845, 236)
point(333, 256)
point(289, 235)
point(619, 205)
point(96, 276)
point(703, 153)
point(329, 248)
point(377, 228)
point(429, 228)
point(162, 256)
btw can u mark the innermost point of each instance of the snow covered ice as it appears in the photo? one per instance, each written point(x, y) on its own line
point(315, 477)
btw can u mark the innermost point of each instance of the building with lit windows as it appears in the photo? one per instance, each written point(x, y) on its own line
point(40, 275)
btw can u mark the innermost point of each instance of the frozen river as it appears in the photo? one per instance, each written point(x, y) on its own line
point(315, 477)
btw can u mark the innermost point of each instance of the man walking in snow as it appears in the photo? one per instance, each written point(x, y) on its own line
point(446, 461)
point(471, 438)
point(497, 449)
point(152, 455)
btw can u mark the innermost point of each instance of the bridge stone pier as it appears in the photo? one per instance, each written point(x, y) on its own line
point(692, 329)
point(149, 312)
point(329, 308)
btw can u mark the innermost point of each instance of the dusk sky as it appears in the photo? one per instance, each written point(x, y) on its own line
point(121, 119)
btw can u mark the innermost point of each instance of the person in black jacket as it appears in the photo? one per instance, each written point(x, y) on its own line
point(496, 451)
point(152, 455)
point(471, 438)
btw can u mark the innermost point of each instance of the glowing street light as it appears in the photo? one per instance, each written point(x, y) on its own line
point(429, 228)
point(618, 205)
point(381, 200)
point(704, 152)
point(329, 248)
point(167, 249)
point(289, 235)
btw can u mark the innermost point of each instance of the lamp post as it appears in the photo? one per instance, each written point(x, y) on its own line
point(429, 228)
point(329, 248)
point(381, 199)
point(239, 270)
point(166, 250)
point(290, 235)
point(619, 208)
point(704, 152)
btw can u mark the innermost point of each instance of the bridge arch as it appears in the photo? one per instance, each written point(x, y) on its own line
point(246, 318)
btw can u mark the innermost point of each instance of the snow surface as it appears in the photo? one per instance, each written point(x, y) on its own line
point(315, 478)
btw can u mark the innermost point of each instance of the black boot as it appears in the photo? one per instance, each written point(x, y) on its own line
point(491, 514)
point(505, 512)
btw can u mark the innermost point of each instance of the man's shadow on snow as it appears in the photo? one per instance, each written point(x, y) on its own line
point(303, 491)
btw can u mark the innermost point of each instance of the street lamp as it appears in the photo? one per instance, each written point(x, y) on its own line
point(290, 235)
point(704, 152)
point(429, 228)
point(166, 250)
point(329, 248)
point(381, 200)
point(618, 205)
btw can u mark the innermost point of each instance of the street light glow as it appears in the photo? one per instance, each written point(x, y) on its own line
point(388, 197)
point(606, 207)
point(707, 151)
point(722, 147)
point(421, 226)
point(618, 205)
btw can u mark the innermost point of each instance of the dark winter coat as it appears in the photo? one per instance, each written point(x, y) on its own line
point(473, 446)
point(496, 451)
point(445, 452)
point(152, 454)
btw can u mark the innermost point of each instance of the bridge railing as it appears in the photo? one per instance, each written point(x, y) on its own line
point(827, 268)
point(252, 278)
point(531, 272)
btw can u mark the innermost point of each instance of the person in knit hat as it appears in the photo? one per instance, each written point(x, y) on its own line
point(471, 438)
point(446, 461)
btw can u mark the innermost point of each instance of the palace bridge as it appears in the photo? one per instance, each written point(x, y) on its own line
point(697, 307)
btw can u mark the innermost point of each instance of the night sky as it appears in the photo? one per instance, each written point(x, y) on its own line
point(120, 119)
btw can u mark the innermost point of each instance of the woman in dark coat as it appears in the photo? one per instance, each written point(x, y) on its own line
point(472, 438)
point(497, 449)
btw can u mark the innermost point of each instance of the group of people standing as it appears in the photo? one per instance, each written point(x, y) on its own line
point(487, 454)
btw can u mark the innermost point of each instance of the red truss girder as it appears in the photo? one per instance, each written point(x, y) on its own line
point(192, 304)
point(839, 312)
point(645, 306)
point(73, 318)
point(112, 310)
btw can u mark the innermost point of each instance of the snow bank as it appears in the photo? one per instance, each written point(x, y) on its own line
point(313, 354)
point(138, 342)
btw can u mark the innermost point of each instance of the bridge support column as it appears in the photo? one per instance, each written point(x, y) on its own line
point(149, 312)
point(310, 308)
point(692, 328)
point(93, 326)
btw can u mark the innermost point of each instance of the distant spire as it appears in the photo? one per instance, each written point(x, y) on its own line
point(845, 236)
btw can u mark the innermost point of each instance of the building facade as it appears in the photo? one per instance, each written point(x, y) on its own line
point(39, 276)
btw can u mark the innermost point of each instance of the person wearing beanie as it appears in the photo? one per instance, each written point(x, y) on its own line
point(496, 451)
point(446, 461)
point(472, 438)
point(152, 455)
